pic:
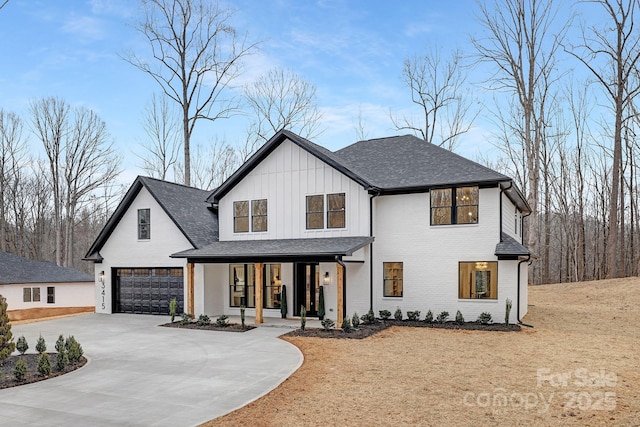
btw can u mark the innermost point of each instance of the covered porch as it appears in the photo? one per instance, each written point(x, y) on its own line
point(225, 276)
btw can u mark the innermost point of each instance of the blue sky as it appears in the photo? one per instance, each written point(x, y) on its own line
point(351, 50)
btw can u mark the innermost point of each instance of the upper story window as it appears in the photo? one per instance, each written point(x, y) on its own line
point(241, 216)
point(336, 210)
point(461, 209)
point(144, 224)
point(315, 212)
point(259, 215)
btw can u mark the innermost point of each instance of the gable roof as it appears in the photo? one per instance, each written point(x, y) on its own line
point(320, 152)
point(184, 205)
point(15, 269)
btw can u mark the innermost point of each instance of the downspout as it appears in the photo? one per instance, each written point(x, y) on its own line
point(518, 287)
point(502, 190)
point(375, 193)
point(344, 285)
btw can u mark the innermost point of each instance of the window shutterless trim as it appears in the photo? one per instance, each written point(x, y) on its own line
point(237, 216)
point(144, 224)
point(385, 278)
point(315, 213)
point(336, 212)
point(454, 206)
point(255, 206)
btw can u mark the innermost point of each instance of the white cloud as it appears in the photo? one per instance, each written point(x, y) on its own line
point(85, 27)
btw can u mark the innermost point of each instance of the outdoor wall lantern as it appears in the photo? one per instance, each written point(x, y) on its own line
point(327, 279)
point(101, 277)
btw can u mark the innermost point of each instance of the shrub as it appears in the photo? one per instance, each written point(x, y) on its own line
point(22, 345)
point(283, 302)
point(507, 311)
point(303, 317)
point(384, 314)
point(62, 360)
point(484, 318)
point(203, 320)
point(242, 318)
point(44, 364)
point(429, 317)
point(20, 370)
point(398, 314)
point(41, 346)
point(173, 307)
point(346, 324)
point(7, 346)
point(413, 315)
point(321, 311)
point(459, 318)
point(74, 349)
point(442, 317)
point(327, 323)
point(186, 318)
point(222, 321)
point(369, 318)
point(355, 321)
point(60, 346)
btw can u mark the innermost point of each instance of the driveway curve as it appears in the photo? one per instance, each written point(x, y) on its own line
point(140, 374)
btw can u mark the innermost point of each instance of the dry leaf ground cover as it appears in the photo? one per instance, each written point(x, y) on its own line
point(580, 365)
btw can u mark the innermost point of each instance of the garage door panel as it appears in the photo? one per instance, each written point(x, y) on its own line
point(148, 291)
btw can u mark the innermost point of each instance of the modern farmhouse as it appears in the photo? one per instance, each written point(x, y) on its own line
point(381, 224)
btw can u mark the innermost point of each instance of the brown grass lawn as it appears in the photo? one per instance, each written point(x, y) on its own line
point(580, 365)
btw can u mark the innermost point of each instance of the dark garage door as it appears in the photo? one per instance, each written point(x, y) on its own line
point(147, 290)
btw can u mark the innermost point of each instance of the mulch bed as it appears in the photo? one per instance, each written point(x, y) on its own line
point(231, 327)
point(8, 380)
point(364, 331)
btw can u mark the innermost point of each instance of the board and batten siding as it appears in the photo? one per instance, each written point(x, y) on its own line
point(431, 256)
point(124, 249)
point(511, 216)
point(285, 177)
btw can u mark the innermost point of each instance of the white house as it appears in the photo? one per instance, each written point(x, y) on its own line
point(381, 224)
point(38, 288)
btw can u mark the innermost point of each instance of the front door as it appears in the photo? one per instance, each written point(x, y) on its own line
point(307, 288)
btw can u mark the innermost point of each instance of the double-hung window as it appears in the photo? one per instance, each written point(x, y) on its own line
point(241, 216)
point(258, 221)
point(392, 276)
point(336, 210)
point(457, 205)
point(259, 215)
point(315, 212)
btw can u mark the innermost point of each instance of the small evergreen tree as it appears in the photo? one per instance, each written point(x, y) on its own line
point(41, 345)
point(60, 347)
point(242, 309)
point(355, 320)
point(283, 302)
point(173, 307)
point(321, 312)
point(507, 311)
point(303, 317)
point(398, 314)
point(22, 345)
point(346, 324)
point(429, 317)
point(20, 370)
point(75, 351)
point(44, 364)
point(459, 318)
point(62, 360)
point(7, 346)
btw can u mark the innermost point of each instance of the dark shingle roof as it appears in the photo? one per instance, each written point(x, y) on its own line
point(281, 249)
point(403, 162)
point(509, 247)
point(186, 206)
point(15, 269)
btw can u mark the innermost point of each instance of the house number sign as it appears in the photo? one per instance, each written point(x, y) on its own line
point(103, 306)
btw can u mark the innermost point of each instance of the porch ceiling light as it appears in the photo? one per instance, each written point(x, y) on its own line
point(327, 279)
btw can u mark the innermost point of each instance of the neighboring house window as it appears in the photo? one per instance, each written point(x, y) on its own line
point(36, 294)
point(272, 285)
point(392, 279)
point(26, 294)
point(336, 210)
point(259, 215)
point(242, 285)
point(51, 295)
point(241, 216)
point(315, 212)
point(144, 224)
point(478, 280)
point(461, 209)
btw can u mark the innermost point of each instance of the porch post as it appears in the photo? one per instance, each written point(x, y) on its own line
point(190, 298)
point(340, 288)
point(258, 291)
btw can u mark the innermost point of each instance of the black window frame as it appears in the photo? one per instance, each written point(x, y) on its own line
point(331, 213)
point(273, 287)
point(26, 295)
point(237, 217)
point(455, 205)
point(385, 279)
point(51, 294)
point(35, 294)
point(255, 204)
point(245, 295)
point(144, 228)
point(316, 213)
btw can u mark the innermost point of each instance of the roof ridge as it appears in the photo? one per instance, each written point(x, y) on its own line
point(164, 181)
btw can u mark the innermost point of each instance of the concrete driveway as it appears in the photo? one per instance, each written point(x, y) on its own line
point(142, 374)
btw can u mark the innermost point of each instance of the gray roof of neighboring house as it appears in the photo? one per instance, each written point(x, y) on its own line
point(281, 249)
point(186, 206)
point(16, 269)
point(509, 247)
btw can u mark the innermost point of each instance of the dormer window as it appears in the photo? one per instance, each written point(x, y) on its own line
point(461, 209)
point(144, 224)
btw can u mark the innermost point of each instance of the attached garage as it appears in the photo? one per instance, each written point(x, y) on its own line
point(147, 290)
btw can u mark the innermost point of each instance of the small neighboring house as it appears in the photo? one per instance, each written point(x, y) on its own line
point(381, 224)
point(36, 289)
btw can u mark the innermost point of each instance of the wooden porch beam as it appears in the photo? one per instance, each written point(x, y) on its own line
point(340, 288)
point(258, 291)
point(190, 289)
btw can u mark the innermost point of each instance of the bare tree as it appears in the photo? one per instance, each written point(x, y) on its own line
point(436, 86)
point(196, 54)
point(280, 99)
point(3, 3)
point(162, 147)
point(612, 54)
point(12, 151)
point(359, 126)
point(213, 165)
point(519, 43)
